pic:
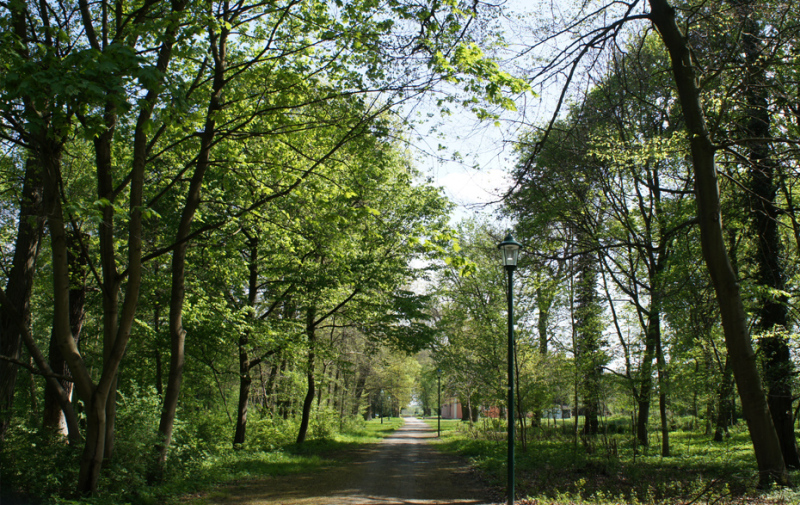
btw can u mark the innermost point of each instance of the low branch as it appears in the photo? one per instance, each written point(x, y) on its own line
point(32, 369)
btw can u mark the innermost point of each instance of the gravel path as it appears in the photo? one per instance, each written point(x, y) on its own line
point(402, 469)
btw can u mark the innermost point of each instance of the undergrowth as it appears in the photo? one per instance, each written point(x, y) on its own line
point(200, 458)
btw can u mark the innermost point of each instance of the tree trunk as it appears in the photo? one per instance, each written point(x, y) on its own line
point(333, 390)
point(588, 350)
point(111, 281)
point(100, 399)
point(734, 320)
point(309, 399)
point(94, 448)
point(244, 340)
point(724, 405)
point(157, 352)
point(53, 416)
point(646, 384)
point(361, 382)
point(177, 333)
point(94, 397)
point(773, 311)
point(709, 372)
point(662, 396)
point(281, 402)
point(544, 302)
point(244, 394)
point(269, 388)
point(19, 286)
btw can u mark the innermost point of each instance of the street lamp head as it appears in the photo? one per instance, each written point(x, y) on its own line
point(510, 249)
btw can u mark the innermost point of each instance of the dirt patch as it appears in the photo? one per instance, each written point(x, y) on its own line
point(402, 469)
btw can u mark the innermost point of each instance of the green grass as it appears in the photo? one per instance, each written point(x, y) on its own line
point(206, 474)
point(446, 424)
point(311, 456)
point(557, 469)
point(372, 432)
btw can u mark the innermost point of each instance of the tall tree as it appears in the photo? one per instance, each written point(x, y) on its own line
point(600, 29)
point(772, 312)
point(762, 431)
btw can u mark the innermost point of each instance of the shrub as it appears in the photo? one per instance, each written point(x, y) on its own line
point(270, 433)
point(37, 463)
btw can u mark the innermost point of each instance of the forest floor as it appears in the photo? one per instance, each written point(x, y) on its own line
point(403, 469)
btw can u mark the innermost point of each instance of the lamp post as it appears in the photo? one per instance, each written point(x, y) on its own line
point(439, 403)
point(510, 249)
point(381, 406)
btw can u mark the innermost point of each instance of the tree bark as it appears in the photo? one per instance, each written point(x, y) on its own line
point(724, 404)
point(588, 350)
point(177, 332)
point(19, 285)
point(734, 320)
point(662, 392)
point(111, 280)
point(244, 358)
point(772, 315)
point(53, 415)
point(646, 384)
point(310, 364)
point(244, 394)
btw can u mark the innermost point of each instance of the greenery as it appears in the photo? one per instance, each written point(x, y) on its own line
point(199, 473)
point(221, 252)
point(557, 469)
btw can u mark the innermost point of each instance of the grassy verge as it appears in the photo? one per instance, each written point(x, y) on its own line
point(311, 456)
point(372, 432)
point(205, 475)
point(560, 470)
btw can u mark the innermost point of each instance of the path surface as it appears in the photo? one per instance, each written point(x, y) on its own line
point(402, 469)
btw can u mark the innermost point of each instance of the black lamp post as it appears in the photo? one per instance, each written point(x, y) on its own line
point(510, 249)
point(439, 403)
point(381, 406)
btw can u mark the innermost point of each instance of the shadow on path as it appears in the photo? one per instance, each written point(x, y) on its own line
point(402, 469)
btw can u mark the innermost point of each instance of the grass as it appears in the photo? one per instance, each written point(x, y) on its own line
point(558, 469)
point(311, 456)
point(372, 432)
point(205, 477)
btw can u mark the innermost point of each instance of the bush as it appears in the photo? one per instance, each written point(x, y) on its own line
point(325, 423)
point(136, 434)
point(37, 463)
point(270, 433)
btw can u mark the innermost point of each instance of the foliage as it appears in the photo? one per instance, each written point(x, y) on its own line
point(270, 452)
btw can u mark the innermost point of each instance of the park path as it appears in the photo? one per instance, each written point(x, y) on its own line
point(403, 469)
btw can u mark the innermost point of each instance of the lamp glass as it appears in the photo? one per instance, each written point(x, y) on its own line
point(510, 250)
point(510, 255)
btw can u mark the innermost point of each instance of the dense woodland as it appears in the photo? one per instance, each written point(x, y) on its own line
point(215, 236)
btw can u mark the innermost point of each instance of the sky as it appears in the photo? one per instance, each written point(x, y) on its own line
point(476, 180)
point(485, 151)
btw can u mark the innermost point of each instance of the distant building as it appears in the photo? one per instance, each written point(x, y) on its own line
point(491, 412)
point(451, 409)
point(558, 412)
